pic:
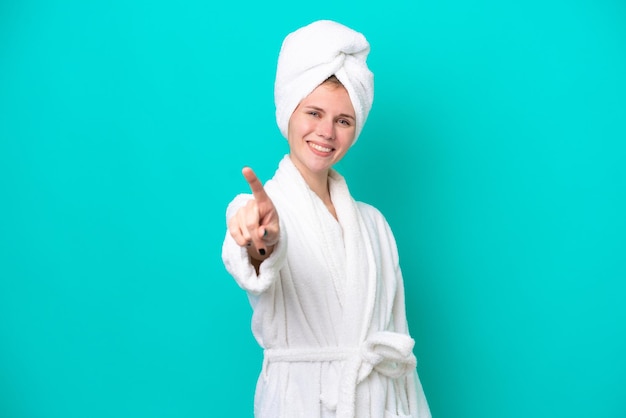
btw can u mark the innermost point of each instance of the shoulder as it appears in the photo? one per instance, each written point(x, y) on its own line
point(379, 230)
point(373, 216)
point(368, 210)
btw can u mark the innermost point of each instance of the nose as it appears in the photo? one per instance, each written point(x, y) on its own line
point(326, 128)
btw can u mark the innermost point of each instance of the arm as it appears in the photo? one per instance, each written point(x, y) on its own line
point(255, 226)
point(236, 254)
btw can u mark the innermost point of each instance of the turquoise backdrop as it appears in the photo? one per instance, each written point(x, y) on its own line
point(495, 148)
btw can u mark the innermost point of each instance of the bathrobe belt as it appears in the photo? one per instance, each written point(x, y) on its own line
point(388, 353)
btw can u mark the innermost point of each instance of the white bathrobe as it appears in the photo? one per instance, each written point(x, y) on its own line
point(328, 308)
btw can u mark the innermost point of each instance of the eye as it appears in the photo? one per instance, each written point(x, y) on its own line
point(344, 122)
point(314, 113)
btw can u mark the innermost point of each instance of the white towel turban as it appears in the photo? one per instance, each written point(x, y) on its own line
point(315, 52)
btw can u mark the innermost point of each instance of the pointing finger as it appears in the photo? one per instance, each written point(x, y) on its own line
point(255, 185)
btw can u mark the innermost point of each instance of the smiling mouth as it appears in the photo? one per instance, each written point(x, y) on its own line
point(320, 148)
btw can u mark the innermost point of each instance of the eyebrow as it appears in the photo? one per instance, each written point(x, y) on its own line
point(343, 115)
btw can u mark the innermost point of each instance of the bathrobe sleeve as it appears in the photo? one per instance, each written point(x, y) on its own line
point(388, 251)
point(417, 399)
point(237, 261)
point(399, 305)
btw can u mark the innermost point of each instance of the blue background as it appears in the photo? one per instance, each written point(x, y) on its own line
point(495, 148)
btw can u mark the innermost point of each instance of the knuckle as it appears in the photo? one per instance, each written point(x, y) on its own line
point(245, 234)
point(251, 205)
point(233, 227)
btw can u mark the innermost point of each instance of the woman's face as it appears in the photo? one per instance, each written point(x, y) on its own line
point(321, 130)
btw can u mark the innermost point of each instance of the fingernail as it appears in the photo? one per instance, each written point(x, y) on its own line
point(262, 251)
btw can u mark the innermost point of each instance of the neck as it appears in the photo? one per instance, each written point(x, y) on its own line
point(321, 189)
point(319, 185)
point(318, 182)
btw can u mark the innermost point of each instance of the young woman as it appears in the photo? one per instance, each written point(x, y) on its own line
point(321, 270)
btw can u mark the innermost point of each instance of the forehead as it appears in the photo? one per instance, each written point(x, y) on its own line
point(330, 97)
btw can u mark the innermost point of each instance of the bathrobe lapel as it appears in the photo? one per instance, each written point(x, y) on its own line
point(354, 279)
point(360, 280)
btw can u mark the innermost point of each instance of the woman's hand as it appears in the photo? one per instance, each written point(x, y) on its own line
point(255, 225)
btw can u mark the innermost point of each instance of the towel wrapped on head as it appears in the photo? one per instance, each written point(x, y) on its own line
point(315, 52)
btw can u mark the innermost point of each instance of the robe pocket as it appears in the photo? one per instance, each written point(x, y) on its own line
point(393, 415)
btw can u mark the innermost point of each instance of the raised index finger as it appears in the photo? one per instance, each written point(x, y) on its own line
point(255, 185)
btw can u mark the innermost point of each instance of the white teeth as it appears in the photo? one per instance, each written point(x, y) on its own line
point(320, 148)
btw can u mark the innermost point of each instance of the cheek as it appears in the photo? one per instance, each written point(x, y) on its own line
point(295, 132)
point(348, 138)
point(291, 131)
point(301, 126)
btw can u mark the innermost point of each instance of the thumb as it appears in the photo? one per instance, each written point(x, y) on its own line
point(270, 233)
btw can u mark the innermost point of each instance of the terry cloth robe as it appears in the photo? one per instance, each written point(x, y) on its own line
point(328, 308)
